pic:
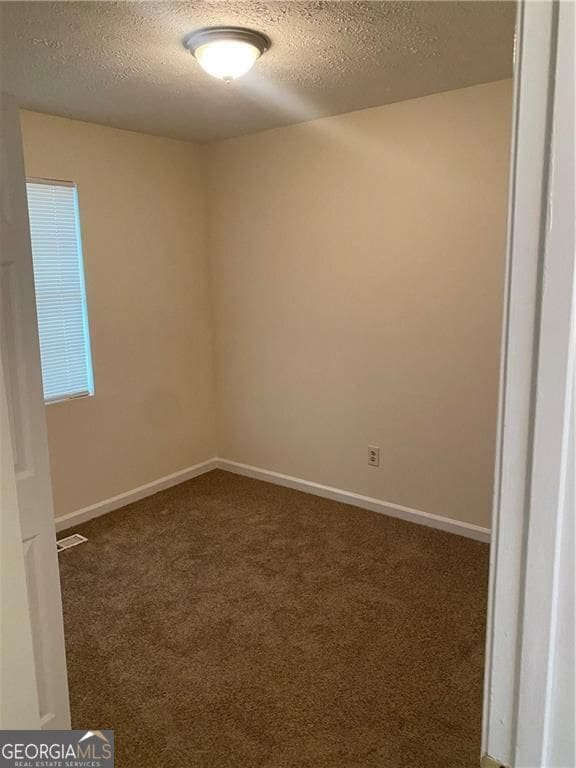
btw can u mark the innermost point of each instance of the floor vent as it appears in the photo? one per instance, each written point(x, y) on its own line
point(70, 541)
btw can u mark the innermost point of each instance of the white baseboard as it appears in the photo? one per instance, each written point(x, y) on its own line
point(357, 500)
point(115, 502)
point(328, 492)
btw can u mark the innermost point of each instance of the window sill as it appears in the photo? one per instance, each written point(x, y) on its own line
point(68, 398)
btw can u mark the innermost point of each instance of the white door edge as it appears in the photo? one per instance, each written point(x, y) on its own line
point(534, 401)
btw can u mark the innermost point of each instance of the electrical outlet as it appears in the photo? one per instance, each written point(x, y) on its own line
point(373, 456)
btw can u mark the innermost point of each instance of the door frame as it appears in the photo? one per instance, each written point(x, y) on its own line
point(533, 466)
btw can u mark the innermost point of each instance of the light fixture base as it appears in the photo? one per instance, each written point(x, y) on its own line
point(194, 40)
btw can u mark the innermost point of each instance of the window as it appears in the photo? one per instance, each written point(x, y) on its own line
point(60, 292)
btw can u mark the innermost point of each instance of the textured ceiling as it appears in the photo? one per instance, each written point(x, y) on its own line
point(123, 64)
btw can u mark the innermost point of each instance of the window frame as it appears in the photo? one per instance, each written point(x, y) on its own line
point(91, 391)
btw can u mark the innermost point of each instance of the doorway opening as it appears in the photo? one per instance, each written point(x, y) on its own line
point(283, 457)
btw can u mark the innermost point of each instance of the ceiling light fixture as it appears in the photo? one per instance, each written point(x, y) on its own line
point(226, 52)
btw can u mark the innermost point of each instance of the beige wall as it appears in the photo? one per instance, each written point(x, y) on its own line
point(356, 273)
point(357, 267)
point(143, 224)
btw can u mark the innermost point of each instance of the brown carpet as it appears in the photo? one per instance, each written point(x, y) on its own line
point(229, 622)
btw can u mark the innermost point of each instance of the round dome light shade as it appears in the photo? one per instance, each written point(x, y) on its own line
point(226, 52)
point(226, 59)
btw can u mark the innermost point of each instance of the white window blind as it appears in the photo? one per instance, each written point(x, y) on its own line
point(60, 292)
